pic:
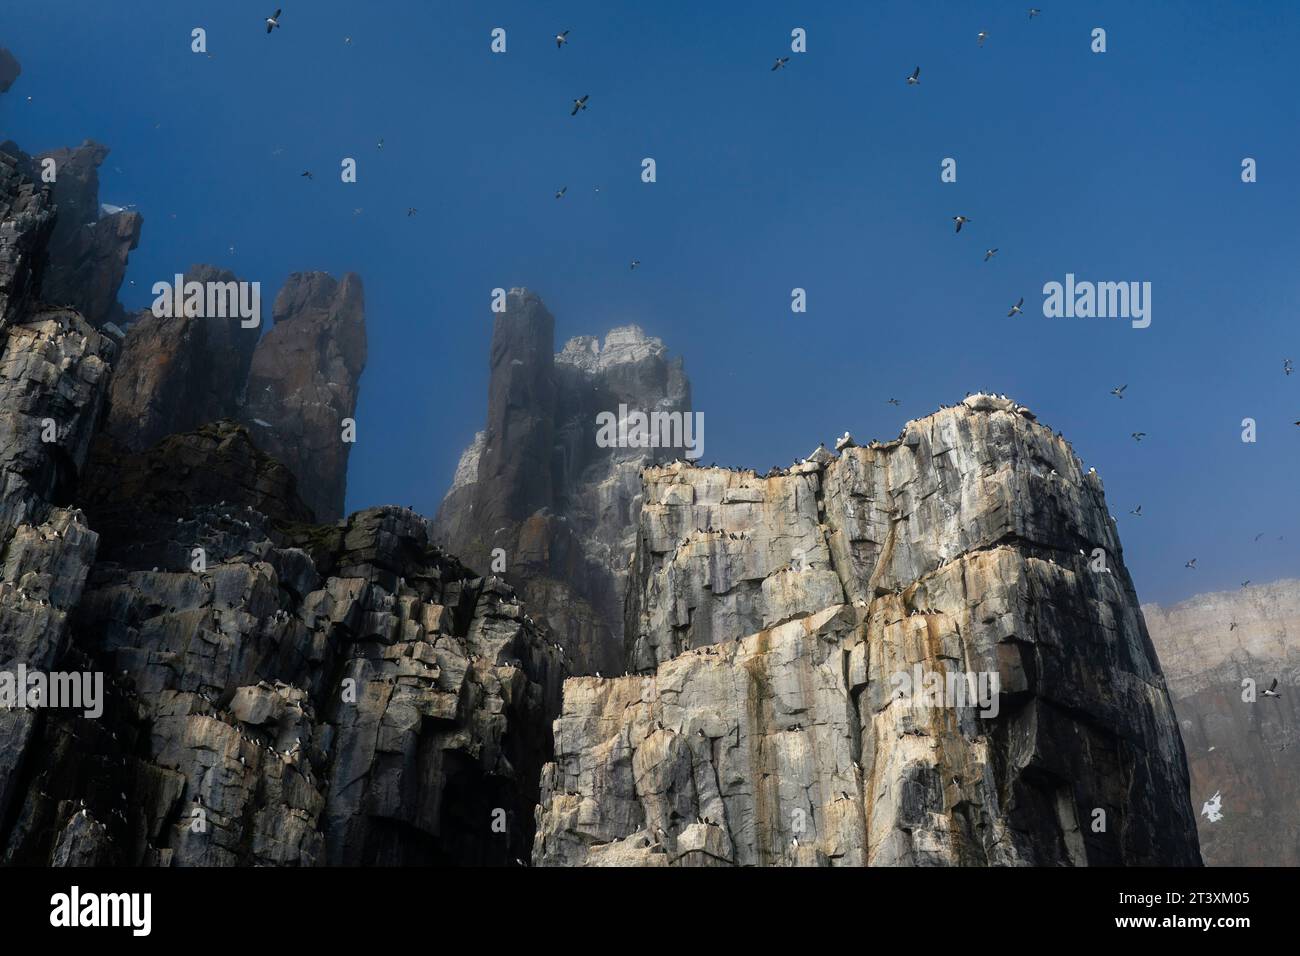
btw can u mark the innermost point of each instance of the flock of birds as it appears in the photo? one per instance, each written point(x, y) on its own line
point(581, 103)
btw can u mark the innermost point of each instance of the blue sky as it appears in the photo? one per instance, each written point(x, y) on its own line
point(1116, 166)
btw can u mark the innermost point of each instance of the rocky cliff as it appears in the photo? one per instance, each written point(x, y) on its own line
point(91, 243)
point(922, 652)
point(278, 692)
point(1246, 751)
point(293, 387)
point(535, 484)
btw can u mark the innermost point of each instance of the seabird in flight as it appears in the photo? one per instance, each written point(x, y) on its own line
point(561, 39)
point(1118, 391)
point(961, 221)
point(1137, 512)
point(1138, 436)
point(1288, 366)
point(894, 401)
point(982, 36)
point(559, 194)
point(1245, 582)
point(915, 78)
point(1016, 309)
point(1033, 12)
point(1272, 689)
point(990, 253)
point(1191, 564)
point(273, 21)
point(308, 174)
point(635, 263)
point(580, 104)
point(780, 62)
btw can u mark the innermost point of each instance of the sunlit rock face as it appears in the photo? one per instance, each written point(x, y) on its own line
point(1214, 649)
point(926, 652)
point(537, 495)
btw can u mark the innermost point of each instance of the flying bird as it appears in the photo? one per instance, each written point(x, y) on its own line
point(307, 174)
point(560, 193)
point(580, 104)
point(1016, 309)
point(1033, 12)
point(273, 21)
point(780, 62)
point(411, 211)
point(1138, 436)
point(1288, 366)
point(1191, 564)
point(1272, 689)
point(982, 36)
point(561, 39)
point(1245, 582)
point(990, 253)
point(635, 263)
point(1118, 391)
point(1137, 511)
point(380, 144)
point(894, 401)
point(961, 221)
point(915, 78)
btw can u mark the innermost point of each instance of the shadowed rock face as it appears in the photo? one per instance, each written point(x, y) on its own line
point(292, 388)
point(310, 695)
point(304, 382)
point(956, 549)
point(88, 250)
point(177, 372)
point(28, 218)
point(535, 483)
point(9, 70)
point(277, 693)
point(1249, 753)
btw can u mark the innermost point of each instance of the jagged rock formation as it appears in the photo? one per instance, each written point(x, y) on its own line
point(281, 693)
point(28, 222)
point(292, 387)
point(304, 383)
point(536, 484)
point(53, 368)
point(178, 372)
point(1247, 752)
point(769, 620)
point(89, 249)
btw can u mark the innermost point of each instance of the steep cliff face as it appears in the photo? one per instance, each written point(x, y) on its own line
point(53, 373)
point(537, 485)
point(880, 594)
point(1247, 752)
point(293, 387)
point(304, 382)
point(306, 695)
point(28, 217)
point(278, 692)
point(178, 372)
point(90, 246)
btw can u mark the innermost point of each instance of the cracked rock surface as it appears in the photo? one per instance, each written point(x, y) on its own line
point(973, 545)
